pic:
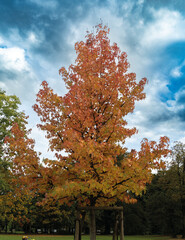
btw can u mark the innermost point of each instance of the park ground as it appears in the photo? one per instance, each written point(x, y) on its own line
point(59, 237)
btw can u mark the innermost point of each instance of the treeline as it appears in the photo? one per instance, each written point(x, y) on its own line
point(160, 210)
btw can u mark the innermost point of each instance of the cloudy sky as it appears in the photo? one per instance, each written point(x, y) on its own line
point(37, 38)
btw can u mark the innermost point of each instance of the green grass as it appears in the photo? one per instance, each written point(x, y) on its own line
point(48, 237)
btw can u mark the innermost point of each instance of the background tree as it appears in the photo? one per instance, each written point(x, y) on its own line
point(29, 183)
point(176, 178)
point(135, 218)
point(9, 113)
point(162, 207)
point(88, 123)
point(25, 173)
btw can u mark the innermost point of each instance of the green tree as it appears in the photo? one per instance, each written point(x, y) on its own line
point(177, 178)
point(162, 205)
point(135, 218)
point(9, 113)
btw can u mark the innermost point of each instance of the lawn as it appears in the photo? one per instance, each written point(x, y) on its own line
point(49, 237)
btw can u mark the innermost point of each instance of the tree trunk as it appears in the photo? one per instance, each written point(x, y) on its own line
point(82, 222)
point(77, 227)
point(92, 225)
point(6, 226)
point(115, 232)
point(183, 223)
point(122, 227)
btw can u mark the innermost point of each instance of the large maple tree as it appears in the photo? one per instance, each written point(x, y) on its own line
point(88, 124)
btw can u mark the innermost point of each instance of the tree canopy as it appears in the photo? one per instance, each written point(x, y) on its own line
point(88, 124)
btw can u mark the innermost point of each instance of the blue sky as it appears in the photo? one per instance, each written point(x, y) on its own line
point(37, 38)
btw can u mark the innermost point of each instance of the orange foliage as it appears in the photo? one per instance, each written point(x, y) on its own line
point(88, 123)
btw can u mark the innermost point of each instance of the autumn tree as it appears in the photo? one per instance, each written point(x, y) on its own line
point(88, 124)
point(30, 181)
point(22, 176)
point(25, 173)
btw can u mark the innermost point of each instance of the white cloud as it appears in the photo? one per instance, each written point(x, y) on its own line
point(32, 38)
point(167, 27)
point(13, 59)
point(17, 76)
point(25, 44)
point(176, 72)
